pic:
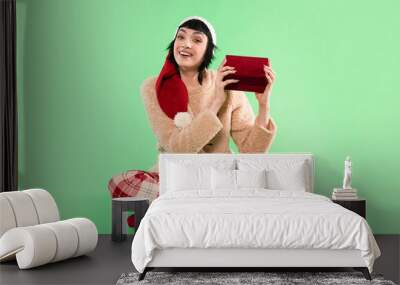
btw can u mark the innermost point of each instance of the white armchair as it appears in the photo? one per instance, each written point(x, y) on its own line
point(32, 233)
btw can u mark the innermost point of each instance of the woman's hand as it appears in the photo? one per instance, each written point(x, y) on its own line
point(220, 83)
point(263, 98)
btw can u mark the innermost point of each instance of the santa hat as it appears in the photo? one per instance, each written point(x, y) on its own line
point(171, 92)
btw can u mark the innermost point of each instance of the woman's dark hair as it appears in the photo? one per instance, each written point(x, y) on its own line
point(197, 25)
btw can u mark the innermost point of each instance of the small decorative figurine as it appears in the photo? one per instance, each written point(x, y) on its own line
point(347, 174)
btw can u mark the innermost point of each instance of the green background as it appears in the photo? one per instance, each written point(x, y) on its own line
point(81, 118)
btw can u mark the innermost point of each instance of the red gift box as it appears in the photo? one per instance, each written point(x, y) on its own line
point(249, 71)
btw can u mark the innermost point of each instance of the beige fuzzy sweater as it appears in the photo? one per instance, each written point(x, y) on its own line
point(208, 133)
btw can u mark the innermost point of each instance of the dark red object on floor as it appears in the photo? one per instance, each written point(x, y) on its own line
point(249, 71)
point(131, 221)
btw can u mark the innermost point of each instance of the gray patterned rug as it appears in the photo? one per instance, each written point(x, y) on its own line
point(269, 278)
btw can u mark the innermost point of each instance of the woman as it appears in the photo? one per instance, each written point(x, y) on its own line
point(189, 110)
point(203, 118)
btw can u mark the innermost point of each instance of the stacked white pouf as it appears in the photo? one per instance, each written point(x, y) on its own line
point(32, 233)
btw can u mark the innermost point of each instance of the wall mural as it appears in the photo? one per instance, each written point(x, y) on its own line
point(193, 109)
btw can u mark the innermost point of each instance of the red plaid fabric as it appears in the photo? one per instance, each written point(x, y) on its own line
point(135, 183)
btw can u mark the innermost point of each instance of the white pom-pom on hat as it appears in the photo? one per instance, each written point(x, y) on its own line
point(182, 119)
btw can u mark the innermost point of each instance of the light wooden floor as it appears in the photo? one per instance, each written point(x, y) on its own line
point(110, 260)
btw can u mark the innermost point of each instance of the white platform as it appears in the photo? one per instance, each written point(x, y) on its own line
point(189, 257)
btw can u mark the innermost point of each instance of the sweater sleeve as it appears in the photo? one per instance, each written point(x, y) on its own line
point(190, 139)
point(249, 137)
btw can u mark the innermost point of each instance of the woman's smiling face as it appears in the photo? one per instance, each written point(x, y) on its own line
point(189, 48)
